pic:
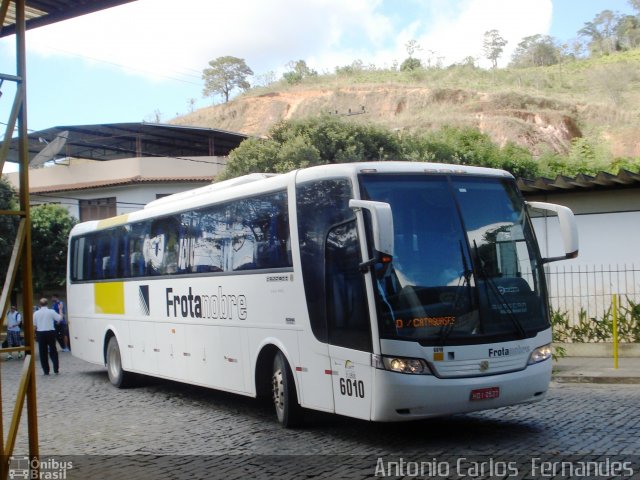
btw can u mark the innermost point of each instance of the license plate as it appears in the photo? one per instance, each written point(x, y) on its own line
point(485, 393)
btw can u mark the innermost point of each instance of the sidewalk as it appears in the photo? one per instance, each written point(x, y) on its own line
point(596, 370)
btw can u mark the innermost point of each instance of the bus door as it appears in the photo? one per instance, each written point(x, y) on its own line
point(348, 325)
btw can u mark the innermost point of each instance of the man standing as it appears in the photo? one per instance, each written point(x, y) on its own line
point(44, 321)
point(14, 322)
point(62, 328)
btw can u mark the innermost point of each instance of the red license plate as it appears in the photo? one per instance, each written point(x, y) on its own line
point(485, 393)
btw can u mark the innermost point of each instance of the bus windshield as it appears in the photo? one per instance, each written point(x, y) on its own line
point(465, 268)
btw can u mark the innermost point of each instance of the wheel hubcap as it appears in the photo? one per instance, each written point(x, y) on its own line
point(114, 363)
point(278, 391)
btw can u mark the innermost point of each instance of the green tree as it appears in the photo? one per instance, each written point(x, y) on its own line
point(314, 141)
point(224, 75)
point(356, 66)
point(601, 32)
point(411, 63)
point(299, 71)
point(329, 139)
point(628, 32)
point(586, 156)
point(412, 46)
point(8, 224)
point(493, 46)
point(297, 152)
point(469, 146)
point(253, 155)
point(50, 227)
point(468, 62)
point(340, 141)
point(536, 51)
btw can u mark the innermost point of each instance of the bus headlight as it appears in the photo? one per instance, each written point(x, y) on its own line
point(540, 354)
point(406, 365)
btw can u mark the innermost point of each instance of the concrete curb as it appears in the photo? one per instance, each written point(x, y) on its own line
point(603, 349)
point(596, 370)
point(560, 378)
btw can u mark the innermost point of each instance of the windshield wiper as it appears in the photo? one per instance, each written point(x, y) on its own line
point(445, 331)
point(506, 307)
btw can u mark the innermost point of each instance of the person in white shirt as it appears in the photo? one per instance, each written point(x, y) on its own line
point(14, 322)
point(44, 321)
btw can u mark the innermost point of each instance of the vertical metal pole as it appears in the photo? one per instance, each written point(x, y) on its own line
point(580, 287)
point(27, 280)
point(615, 331)
point(4, 463)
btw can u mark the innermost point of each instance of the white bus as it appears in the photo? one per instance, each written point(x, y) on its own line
point(385, 291)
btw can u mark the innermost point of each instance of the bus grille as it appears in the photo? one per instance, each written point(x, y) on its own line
point(478, 367)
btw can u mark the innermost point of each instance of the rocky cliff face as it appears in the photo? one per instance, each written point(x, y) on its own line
point(539, 124)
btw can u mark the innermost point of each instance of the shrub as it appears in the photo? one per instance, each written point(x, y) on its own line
point(598, 329)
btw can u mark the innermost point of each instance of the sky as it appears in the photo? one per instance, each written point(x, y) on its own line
point(143, 61)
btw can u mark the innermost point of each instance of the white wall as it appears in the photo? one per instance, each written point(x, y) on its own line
point(88, 172)
point(608, 261)
point(605, 239)
point(81, 179)
point(129, 198)
point(608, 226)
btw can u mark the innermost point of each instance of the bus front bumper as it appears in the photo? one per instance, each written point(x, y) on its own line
point(411, 397)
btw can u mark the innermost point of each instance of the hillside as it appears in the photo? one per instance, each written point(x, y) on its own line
point(541, 108)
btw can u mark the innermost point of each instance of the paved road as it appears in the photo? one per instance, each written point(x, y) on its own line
point(169, 430)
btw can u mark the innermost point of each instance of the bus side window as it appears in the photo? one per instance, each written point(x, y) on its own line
point(321, 205)
point(210, 241)
point(276, 233)
point(102, 256)
point(124, 267)
point(243, 246)
point(161, 248)
point(260, 232)
point(137, 264)
point(170, 260)
point(116, 266)
point(278, 241)
point(90, 258)
point(136, 255)
point(347, 317)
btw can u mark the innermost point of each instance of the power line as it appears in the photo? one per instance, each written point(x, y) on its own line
point(133, 69)
point(134, 204)
point(75, 199)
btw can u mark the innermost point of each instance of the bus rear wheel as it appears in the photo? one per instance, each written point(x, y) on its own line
point(283, 389)
point(117, 376)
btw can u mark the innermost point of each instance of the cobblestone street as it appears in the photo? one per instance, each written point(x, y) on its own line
point(170, 430)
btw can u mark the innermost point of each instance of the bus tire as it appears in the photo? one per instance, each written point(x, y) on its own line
point(283, 389)
point(117, 376)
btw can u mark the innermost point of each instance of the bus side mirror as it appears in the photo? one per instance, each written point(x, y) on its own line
point(382, 224)
point(568, 228)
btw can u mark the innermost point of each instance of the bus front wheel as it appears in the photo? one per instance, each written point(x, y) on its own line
point(283, 388)
point(117, 376)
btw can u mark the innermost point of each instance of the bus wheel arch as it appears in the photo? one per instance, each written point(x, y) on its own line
point(264, 370)
point(118, 377)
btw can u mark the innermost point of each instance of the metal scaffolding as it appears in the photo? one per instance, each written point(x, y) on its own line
point(21, 254)
point(16, 16)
